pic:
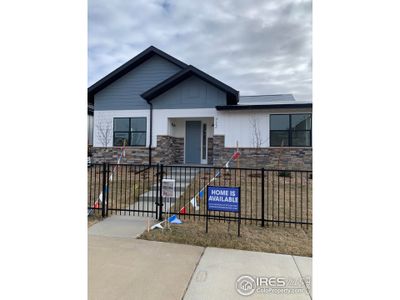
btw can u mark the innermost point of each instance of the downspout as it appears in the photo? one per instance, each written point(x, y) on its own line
point(151, 129)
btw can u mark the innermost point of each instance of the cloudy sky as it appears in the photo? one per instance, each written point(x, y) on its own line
point(255, 46)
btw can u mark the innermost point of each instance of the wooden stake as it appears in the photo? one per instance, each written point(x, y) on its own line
point(238, 159)
point(237, 150)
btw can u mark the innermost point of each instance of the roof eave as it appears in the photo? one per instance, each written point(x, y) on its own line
point(165, 85)
point(263, 106)
point(232, 94)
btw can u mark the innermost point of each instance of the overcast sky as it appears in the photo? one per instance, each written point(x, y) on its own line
point(255, 46)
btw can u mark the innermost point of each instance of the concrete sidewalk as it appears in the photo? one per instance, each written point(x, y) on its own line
point(123, 267)
point(217, 273)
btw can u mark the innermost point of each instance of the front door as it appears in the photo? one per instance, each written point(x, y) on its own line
point(193, 142)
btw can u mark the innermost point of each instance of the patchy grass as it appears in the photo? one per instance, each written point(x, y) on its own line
point(288, 198)
point(93, 219)
point(125, 187)
point(283, 240)
point(287, 194)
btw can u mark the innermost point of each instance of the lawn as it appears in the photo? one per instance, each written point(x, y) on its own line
point(93, 219)
point(292, 241)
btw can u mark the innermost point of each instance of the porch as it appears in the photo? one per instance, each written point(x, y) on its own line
point(192, 139)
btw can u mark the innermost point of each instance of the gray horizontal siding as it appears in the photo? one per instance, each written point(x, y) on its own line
point(124, 93)
point(191, 93)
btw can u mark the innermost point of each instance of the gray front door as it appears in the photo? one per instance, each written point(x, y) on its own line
point(193, 142)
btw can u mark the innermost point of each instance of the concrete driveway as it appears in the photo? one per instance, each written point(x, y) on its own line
point(123, 267)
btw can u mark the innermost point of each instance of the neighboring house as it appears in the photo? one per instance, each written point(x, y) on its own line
point(167, 111)
point(90, 125)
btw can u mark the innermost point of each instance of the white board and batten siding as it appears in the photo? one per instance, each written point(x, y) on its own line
point(237, 125)
point(234, 125)
point(161, 124)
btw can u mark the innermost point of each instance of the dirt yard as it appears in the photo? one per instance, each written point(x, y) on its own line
point(287, 199)
point(293, 241)
point(93, 219)
point(126, 185)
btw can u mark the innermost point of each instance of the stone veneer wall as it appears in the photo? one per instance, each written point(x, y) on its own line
point(291, 158)
point(178, 150)
point(110, 154)
point(169, 150)
point(210, 150)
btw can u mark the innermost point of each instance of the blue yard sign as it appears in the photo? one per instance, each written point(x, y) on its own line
point(221, 198)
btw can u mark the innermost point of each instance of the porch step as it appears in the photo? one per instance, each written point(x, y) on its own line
point(178, 185)
point(181, 172)
point(152, 195)
point(143, 203)
point(182, 181)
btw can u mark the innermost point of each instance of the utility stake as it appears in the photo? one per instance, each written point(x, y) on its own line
point(237, 150)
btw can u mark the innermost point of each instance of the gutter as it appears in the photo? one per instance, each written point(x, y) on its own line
point(151, 129)
point(263, 106)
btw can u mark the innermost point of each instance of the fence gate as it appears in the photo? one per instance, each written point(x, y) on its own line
point(124, 189)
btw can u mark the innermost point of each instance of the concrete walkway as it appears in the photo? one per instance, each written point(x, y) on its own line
point(121, 226)
point(123, 267)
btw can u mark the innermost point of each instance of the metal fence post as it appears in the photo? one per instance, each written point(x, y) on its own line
point(160, 204)
point(107, 188)
point(103, 200)
point(262, 197)
point(157, 187)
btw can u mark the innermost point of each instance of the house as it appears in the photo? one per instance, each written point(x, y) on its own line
point(165, 111)
point(90, 125)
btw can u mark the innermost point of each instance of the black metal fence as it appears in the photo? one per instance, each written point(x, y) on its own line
point(268, 197)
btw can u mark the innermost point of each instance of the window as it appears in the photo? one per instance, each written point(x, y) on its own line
point(130, 131)
point(290, 130)
point(204, 151)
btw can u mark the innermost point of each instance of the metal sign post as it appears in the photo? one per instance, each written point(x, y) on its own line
point(168, 191)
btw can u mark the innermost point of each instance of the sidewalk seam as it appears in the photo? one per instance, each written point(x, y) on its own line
point(302, 279)
point(194, 271)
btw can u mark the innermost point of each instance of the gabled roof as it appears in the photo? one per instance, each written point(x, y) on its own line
point(162, 87)
point(129, 66)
